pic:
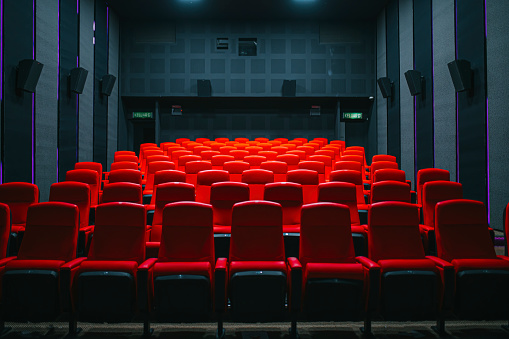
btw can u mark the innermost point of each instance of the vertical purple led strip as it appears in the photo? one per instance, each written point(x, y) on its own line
point(77, 95)
point(432, 86)
point(457, 96)
point(58, 82)
point(33, 95)
point(1, 70)
point(488, 201)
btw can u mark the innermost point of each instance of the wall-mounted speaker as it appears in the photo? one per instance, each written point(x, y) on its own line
point(289, 88)
point(204, 88)
point(461, 74)
point(385, 86)
point(414, 81)
point(107, 83)
point(29, 72)
point(77, 79)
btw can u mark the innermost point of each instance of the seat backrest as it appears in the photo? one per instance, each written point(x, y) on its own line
point(328, 152)
point(169, 151)
point(353, 177)
point(175, 155)
point(279, 168)
point(207, 155)
point(325, 234)
point(269, 155)
point(296, 142)
point(125, 175)
point(235, 168)
point(390, 191)
point(255, 160)
point(217, 145)
point(89, 177)
point(261, 139)
point(461, 230)
point(198, 149)
point(204, 181)
point(223, 195)
point(309, 180)
point(222, 139)
point(292, 160)
point(341, 193)
point(123, 165)
point(256, 179)
point(308, 149)
point(241, 139)
point(219, 160)
point(264, 146)
point(257, 232)
point(300, 153)
point(290, 196)
point(289, 146)
point(316, 166)
point(119, 232)
point(5, 229)
point(187, 233)
point(225, 150)
point(183, 160)
point(76, 193)
point(326, 159)
point(19, 196)
point(125, 158)
point(279, 149)
point(429, 174)
point(393, 231)
point(202, 140)
point(385, 174)
point(348, 165)
point(122, 192)
point(383, 157)
point(51, 232)
point(436, 191)
point(383, 164)
point(146, 154)
point(92, 166)
point(181, 140)
point(254, 150)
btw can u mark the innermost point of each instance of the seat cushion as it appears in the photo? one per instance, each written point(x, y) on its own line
point(352, 271)
point(222, 229)
point(480, 264)
point(53, 265)
point(185, 268)
point(242, 266)
point(295, 228)
point(406, 265)
point(107, 265)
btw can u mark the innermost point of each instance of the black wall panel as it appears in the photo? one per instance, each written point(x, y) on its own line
point(17, 107)
point(470, 45)
point(424, 102)
point(67, 102)
point(393, 103)
point(100, 69)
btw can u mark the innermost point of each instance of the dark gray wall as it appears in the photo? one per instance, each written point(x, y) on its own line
point(286, 50)
point(381, 71)
point(113, 99)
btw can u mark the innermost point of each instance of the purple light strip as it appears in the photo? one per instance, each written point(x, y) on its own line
point(58, 77)
point(77, 6)
point(457, 107)
point(33, 95)
point(432, 87)
point(488, 200)
point(1, 47)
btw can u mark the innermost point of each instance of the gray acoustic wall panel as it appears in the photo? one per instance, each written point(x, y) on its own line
point(381, 71)
point(406, 60)
point(46, 105)
point(444, 95)
point(86, 99)
point(498, 120)
point(113, 61)
point(285, 50)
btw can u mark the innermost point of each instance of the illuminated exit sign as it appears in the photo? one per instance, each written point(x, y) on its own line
point(352, 116)
point(143, 115)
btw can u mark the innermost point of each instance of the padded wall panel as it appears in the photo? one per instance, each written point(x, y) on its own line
point(67, 102)
point(424, 102)
point(381, 71)
point(17, 108)
point(444, 95)
point(498, 121)
point(46, 103)
point(470, 45)
point(113, 57)
point(393, 104)
point(100, 69)
point(86, 99)
point(406, 62)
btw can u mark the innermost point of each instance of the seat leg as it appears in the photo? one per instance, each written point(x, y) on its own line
point(147, 331)
point(3, 330)
point(293, 330)
point(506, 327)
point(73, 326)
point(439, 328)
point(220, 334)
point(366, 330)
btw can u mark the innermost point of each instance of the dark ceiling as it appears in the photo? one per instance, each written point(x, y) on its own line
point(248, 9)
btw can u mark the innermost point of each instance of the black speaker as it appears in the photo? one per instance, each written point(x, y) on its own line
point(385, 86)
point(289, 88)
point(414, 81)
point(107, 83)
point(77, 79)
point(204, 88)
point(29, 72)
point(461, 74)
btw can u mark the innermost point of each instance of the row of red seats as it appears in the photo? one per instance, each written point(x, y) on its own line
point(396, 281)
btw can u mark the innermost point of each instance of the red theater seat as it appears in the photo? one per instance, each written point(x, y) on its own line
point(390, 191)
point(223, 195)
point(353, 177)
point(125, 175)
point(125, 158)
point(334, 282)
point(309, 181)
point(463, 239)
point(256, 179)
point(392, 174)
point(33, 286)
point(207, 155)
point(383, 157)
point(18, 196)
point(317, 166)
point(292, 160)
point(279, 168)
point(123, 165)
point(5, 229)
point(429, 174)
point(104, 284)
point(153, 168)
point(194, 167)
point(289, 195)
point(239, 154)
point(183, 160)
point(235, 168)
point(255, 160)
point(269, 155)
point(219, 160)
point(89, 177)
point(122, 192)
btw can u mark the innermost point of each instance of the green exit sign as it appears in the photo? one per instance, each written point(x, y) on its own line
point(143, 115)
point(352, 116)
